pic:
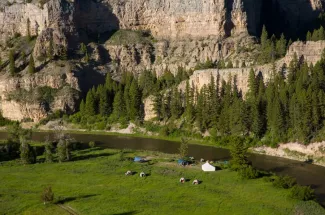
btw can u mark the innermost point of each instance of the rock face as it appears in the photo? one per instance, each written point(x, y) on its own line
point(308, 51)
point(18, 95)
point(184, 34)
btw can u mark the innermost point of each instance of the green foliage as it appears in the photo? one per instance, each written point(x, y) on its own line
point(303, 193)
point(27, 153)
point(126, 37)
point(12, 67)
point(285, 182)
point(288, 108)
point(183, 149)
point(47, 195)
point(63, 150)
point(238, 153)
point(271, 48)
point(48, 152)
point(16, 132)
point(92, 144)
point(31, 65)
point(248, 172)
point(206, 65)
point(316, 35)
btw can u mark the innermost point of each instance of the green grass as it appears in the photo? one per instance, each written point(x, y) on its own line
point(94, 183)
point(127, 37)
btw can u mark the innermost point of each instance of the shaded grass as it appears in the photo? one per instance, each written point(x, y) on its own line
point(98, 185)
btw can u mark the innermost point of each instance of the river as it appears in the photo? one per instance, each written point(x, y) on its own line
point(306, 174)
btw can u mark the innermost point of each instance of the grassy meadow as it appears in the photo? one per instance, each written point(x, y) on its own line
point(94, 183)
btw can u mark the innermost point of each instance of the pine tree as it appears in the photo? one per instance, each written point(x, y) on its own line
point(12, 67)
point(238, 152)
point(105, 105)
point(31, 65)
point(29, 38)
point(183, 149)
point(119, 110)
point(281, 46)
point(321, 33)
point(67, 150)
point(109, 83)
point(189, 100)
point(48, 152)
point(82, 107)
point(308, 36)
point(135, 100)
point(176, 105)
point(264, 38)
point(90, 106)
point(252, 86)
point(27, 153)
point(61, 151)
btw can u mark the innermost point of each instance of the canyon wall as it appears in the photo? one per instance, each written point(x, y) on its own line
point(185, 33)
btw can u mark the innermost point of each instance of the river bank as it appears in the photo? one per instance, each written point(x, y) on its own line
point(313, 153)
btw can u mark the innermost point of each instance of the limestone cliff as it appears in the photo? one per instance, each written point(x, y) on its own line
point(309, 52)
point(177, 33)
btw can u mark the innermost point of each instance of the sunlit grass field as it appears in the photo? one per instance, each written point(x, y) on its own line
point(94, 183)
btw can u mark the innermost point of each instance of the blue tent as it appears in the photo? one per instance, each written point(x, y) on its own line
point(182, 162)
point(138, 159)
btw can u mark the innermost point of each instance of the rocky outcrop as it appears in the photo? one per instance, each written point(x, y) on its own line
point(21, 110)
point(60, 33)
point(149, 112)
point(18, 94)
point(14, 19)
point(184, 34)
point(306, 51)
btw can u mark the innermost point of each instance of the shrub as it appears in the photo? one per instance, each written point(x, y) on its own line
point(183, 149)
point(303, 193)
point(308, 207)
point(92, 144)
point(285, 182)
point(47, 195)
point(48, 152)
point(27, 153)
point(248, 173)
point(121, 155)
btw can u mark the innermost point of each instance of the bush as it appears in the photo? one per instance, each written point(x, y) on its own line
point(303, 193)
point(308, 207)
point(285, 182)
point(164, 131)
point(92, 144)
point(248, 173)
point(47, 195)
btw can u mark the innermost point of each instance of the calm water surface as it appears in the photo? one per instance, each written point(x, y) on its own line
point(306, 174)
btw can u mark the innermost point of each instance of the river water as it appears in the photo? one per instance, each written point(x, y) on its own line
point(306, 174)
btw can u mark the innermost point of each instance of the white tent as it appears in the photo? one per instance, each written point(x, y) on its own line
point(208, 167)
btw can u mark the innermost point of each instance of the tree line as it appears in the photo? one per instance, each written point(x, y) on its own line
point(122, 101)
point(289, 107)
